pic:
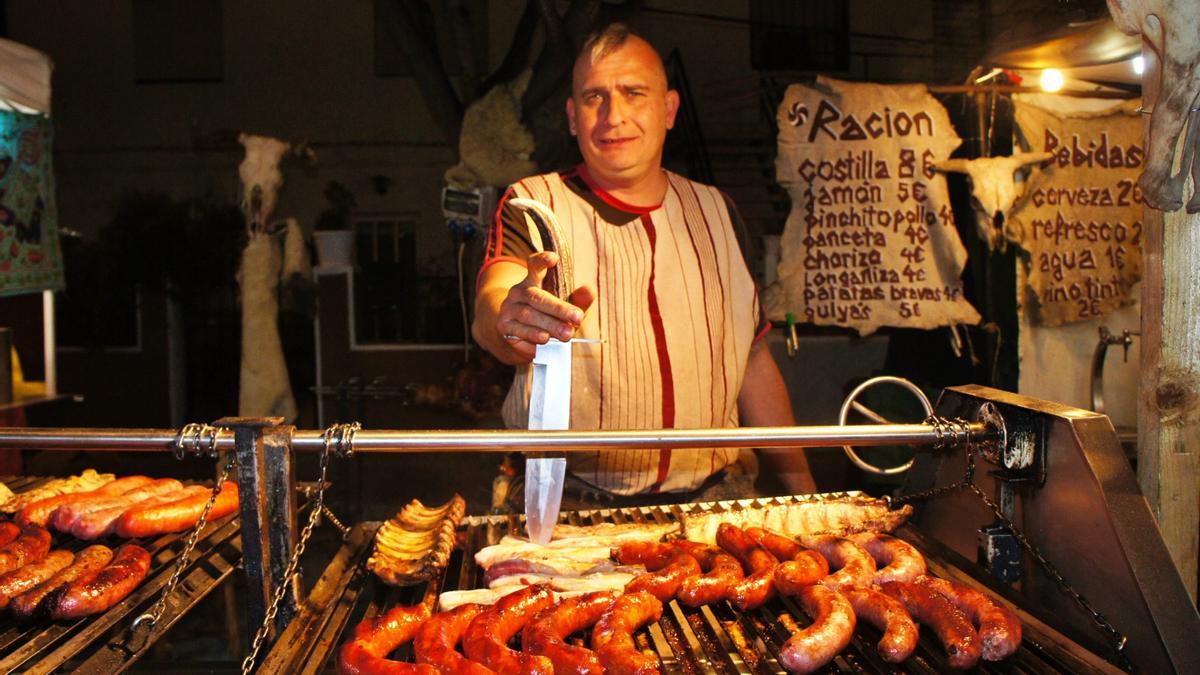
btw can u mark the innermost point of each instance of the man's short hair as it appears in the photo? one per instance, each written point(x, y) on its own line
point(605, 41)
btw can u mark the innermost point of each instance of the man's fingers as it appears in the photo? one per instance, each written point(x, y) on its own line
point(538, 263)
point(583, 297)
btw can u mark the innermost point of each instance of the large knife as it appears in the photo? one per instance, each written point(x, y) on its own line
point(550, 390)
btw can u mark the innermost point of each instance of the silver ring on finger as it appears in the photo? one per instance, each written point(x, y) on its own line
point(512, 338)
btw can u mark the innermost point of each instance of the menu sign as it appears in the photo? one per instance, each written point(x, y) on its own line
point(1081, 218)
point(871, 239)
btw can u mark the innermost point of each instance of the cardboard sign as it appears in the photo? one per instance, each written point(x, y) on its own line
point(871, 239)
point(1081, 216)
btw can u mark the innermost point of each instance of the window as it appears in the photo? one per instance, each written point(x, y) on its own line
point(178, 41)
point(394, 301)
point(799, 35)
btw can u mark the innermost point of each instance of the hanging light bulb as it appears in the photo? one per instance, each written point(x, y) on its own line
point(1052, 80)
point(1139, 64)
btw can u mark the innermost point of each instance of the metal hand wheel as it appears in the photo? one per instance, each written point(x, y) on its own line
point(850, 402)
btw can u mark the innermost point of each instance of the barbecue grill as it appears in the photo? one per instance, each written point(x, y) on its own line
point(1030, 500)
point(105, 643)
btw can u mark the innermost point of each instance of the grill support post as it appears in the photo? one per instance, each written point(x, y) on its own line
point(266, 485)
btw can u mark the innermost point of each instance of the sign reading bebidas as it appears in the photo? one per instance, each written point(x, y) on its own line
point(870, 240)
point(1081, 218)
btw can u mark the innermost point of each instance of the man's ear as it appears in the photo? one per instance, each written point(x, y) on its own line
point(672, 107)
point(571, 114)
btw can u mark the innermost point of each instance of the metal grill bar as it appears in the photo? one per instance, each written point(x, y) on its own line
point(396, 441)
point(714, 638)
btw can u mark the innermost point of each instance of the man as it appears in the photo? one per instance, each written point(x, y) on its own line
point(663, 286)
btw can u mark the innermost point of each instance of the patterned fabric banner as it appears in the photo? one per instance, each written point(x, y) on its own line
point(30, 257)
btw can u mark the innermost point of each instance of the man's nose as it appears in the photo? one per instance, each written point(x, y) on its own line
point(615, 112)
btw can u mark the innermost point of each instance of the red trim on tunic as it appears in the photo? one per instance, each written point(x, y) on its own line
point(664, 360)
point(610, 199)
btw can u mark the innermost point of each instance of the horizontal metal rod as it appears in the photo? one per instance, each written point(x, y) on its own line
point(401, 441)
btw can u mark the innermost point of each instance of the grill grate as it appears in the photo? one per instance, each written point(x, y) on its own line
point(710, 639)
point(102, 643)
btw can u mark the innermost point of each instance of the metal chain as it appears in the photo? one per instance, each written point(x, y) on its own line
point(345, 435)
point(150, 618)
point(1117, 640)
point(341, 527)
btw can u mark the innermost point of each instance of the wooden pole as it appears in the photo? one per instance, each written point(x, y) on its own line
point(1169, 399)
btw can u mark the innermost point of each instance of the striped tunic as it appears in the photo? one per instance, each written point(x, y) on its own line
point(677, 311)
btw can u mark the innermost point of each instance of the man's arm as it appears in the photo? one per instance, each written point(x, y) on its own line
point(764, 402)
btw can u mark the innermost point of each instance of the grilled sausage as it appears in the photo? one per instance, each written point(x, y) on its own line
point(486, 639)
point(664, 583)
point(38, 513)
point(896, 559)
point(103, 522)
point(31, 576)
point(440, 634)
point(109, 586)
point(612, 638)
point(547, 633)
point(830, 632)
point(998, 626)
point(759, 585)
point(9, 531)
point(176, 516)
point(31, 546)
point(654, 555)
point(87, 564)
point(855, 567)
point(66, 516)
point(374, 639)
point(888, 615)
point(948, 622)
point(784, 548)
point(721, 573)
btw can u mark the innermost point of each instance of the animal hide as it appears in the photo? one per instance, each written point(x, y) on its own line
point(494, 148)
point(264, 387)
point(1171, 29)
point(994, 188)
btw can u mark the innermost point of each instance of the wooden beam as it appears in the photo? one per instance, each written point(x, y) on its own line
point(1169, 398)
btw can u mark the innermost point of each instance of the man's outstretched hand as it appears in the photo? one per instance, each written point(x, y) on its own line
point(529, 315)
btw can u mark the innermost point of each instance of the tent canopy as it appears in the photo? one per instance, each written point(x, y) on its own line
point(24, 78)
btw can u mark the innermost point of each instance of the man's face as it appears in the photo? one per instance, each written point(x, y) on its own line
point(620, 110)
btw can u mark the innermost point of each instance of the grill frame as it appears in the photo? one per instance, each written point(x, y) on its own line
point(103, 643)
point(710, 639)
